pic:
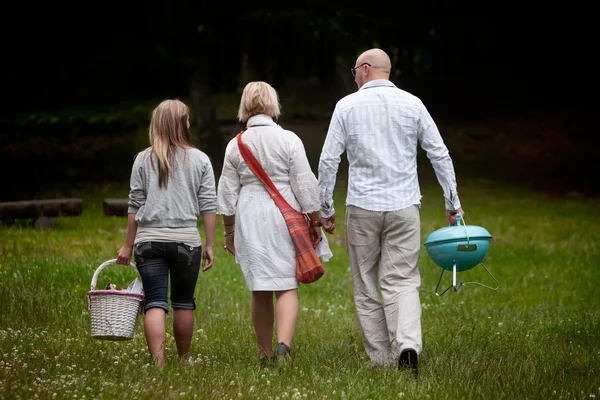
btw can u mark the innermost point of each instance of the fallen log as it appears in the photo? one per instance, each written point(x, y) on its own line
point(67, 207)
point(116, 207)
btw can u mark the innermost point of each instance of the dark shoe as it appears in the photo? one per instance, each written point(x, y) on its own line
point(265, 361)
point(282, 354)
point(409, 359)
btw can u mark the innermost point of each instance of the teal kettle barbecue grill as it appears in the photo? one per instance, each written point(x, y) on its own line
point(458, 248)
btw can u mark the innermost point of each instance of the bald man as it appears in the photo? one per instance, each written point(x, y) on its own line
point(380, 127)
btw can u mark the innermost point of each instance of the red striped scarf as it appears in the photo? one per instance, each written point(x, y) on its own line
point(308, 264)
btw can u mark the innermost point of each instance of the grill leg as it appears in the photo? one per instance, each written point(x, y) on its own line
point(454, 277)
point(481, 284)
point(454, 285)
point(438, 285)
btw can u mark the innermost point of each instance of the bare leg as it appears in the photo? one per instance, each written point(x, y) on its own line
point(263, 318)
point(183, 329)
point(287, 315)
point(154, 327)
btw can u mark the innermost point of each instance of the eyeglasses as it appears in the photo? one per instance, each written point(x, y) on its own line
point(353, 70)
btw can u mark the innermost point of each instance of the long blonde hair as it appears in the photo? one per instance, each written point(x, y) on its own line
point(168, 132)
point(258, 97)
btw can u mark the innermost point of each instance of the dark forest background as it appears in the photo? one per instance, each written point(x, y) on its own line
point(91, 72)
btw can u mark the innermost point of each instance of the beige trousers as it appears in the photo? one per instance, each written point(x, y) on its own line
point(384, 248)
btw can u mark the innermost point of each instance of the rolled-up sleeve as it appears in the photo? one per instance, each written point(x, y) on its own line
point(437, 152)
point(207, 197)
point(302, 180)
point(229, 186)
point(329, 161)
point(137, 191)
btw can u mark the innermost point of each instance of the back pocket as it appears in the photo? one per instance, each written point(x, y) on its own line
point(187, 255)
point(142, 252)
point(362, 230)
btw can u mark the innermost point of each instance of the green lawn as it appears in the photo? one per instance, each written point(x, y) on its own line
point(535, 337)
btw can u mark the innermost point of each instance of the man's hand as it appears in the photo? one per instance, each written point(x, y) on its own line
point(329, 224)
point(451, 215)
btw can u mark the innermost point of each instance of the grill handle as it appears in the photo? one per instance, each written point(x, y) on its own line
point(459, 219)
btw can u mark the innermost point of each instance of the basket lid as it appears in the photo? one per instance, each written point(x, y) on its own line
point(457, 233)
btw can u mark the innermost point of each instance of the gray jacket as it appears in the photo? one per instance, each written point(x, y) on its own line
point(189, 193)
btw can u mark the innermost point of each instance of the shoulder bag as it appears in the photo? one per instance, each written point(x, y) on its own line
point(308, 265)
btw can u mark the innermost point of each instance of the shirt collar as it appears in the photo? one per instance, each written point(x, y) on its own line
point(260, 119)
point(377, 83)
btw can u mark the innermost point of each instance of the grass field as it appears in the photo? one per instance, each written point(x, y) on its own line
point(536, 337)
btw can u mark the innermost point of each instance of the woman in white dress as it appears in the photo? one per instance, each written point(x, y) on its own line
point(255, 231)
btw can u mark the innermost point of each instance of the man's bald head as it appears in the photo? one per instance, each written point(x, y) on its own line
point(381, 66)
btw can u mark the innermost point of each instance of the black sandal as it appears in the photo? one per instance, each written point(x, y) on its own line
point(282, 354)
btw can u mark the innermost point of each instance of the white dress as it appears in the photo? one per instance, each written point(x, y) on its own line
point(263, 246)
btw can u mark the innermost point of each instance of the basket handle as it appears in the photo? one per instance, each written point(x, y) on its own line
point(101, 267)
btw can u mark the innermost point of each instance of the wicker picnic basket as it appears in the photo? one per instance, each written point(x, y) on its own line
point(113, 313)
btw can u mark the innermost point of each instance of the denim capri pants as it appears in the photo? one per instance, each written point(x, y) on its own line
point(159, 261)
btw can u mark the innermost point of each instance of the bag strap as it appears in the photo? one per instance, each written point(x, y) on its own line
point(258, 170)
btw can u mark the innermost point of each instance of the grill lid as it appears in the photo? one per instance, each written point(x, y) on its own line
point(457, 233)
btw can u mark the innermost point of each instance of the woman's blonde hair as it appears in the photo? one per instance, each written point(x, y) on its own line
point(168, 132)
point(258, 98)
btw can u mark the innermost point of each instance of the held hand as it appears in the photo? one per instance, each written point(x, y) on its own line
point(229, 244)
point(329, 224)
point(124, 255)
point(451, 215)
point(316, 235)
point(208, 258)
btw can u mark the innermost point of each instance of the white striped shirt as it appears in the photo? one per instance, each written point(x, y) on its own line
point(380, 127)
